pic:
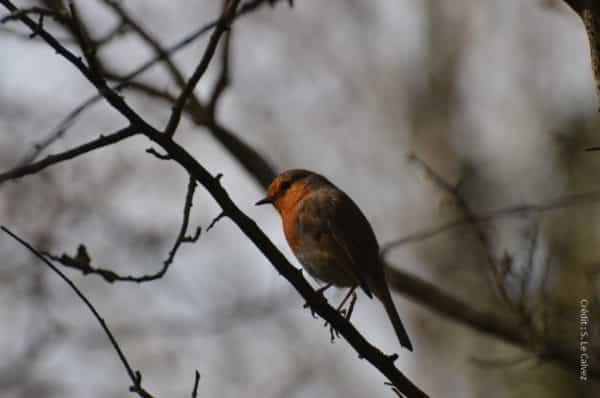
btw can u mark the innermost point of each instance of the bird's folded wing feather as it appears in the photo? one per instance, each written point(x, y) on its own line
point(350, 230)
point(353, 232)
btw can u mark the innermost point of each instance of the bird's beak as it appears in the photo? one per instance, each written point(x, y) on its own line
point(263, 201)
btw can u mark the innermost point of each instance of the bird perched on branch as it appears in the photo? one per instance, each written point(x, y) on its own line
point(331, 237)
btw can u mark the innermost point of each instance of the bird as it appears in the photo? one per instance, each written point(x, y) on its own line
point(331, 237)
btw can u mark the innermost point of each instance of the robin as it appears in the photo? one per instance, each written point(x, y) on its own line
point(331, 237)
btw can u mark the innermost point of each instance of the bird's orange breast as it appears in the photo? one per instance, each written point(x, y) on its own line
point(289, 229)
point(288, 206)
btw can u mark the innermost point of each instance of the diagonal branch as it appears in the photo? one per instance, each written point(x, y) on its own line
point(135, 376)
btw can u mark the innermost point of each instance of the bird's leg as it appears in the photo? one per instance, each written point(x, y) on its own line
point(340, 308)
point(351, 305)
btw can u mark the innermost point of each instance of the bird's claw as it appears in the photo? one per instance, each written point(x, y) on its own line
point(345, 312)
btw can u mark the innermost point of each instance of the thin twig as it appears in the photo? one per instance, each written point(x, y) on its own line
point(160, 156)
point(196, 381)
point(182, 237)
point(102, 141)
point(215, 220)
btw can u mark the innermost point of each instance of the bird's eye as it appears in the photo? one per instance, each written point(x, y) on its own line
point(285, 185)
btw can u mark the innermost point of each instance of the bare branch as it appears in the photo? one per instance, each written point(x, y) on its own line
point(183, 237)
point(134, 376)
point(51, 160)
point(222, 25)
point(83, 263)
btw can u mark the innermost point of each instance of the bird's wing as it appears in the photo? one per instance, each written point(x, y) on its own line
point(352, 231)
point(332, 212)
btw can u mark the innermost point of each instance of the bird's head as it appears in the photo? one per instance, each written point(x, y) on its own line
point(289, 187)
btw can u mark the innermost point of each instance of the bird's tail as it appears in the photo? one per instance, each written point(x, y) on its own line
point(383, 293)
